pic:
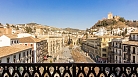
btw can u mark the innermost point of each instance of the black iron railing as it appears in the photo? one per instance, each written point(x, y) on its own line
point(68, 70)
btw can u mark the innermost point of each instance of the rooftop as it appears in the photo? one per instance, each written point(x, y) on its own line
point(29, 40)
point(11, 36)
point(109, 36)
point(131, 43)
point(8, 50)
point(136, 31)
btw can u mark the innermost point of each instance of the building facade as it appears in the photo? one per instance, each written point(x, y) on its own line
point(115, 50)
point(97, 47)
point(90, 47)
point(8, 40)
point(55, 45)
point(124, 50)
point(16, 54)
point(37, 47)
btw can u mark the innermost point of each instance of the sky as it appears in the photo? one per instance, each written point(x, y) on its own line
point(80, 14)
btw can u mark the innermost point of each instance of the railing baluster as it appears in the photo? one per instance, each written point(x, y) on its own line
point(85, 69)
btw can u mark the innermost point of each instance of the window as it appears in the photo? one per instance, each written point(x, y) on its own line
point(133, 50)
point(113, 44)
point(30, 52)
point(27, 60)
point(19, 56)
point(104, 55)
point(11, 42)
point(133, 59)
point(14, 58)
point(8, 60)
point(124, 56)
point(120, 60)
point(15, 41)
point(30, 60)
point(23, 54)
point(104, 49)
point(124, 48)
point(27, 53)
point(120, 53)
point(31, 44)
point(119, 45)
point(133, 37)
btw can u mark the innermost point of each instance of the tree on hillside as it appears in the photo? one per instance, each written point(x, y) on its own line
point(126, 31)
point(28, 29)
point(79, 41)
point(123, 34)
point(17, 28)
point(13, 26)
point(122, 19)
point(8, 26)
point(86, 34)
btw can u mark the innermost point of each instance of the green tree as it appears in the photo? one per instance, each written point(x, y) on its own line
point(126, 31)
point(28, 29)
point(122, 19)
point(17, 28)
point(8, 26)
point(13, 26)
point(123, 34)
point(63, 32)
point(86, 35)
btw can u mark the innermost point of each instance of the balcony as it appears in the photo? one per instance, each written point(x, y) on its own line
point(67, 70)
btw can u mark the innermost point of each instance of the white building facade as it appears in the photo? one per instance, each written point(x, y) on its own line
point(15, 54)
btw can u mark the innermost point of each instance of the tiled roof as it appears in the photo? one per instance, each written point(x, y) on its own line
point(92, 38)
point(131, 43)
point(108, 36)
point(28, 40)
point(42, 39)
point(11, 36)
point(8, 50)
point(136, 31)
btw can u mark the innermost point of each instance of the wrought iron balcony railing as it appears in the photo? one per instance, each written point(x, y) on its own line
point(68, 70)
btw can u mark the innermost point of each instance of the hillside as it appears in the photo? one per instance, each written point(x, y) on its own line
point(112, 23)
point(33, 26)
point(72, 29)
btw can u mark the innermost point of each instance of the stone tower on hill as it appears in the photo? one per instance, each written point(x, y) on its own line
point(110, 15)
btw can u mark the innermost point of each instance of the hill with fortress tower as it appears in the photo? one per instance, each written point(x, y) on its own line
point(115, 22)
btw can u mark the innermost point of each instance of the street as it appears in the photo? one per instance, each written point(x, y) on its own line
point(67, 56)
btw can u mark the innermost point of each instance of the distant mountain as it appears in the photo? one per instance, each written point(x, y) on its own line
point(72, 29)
point(49, 28)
